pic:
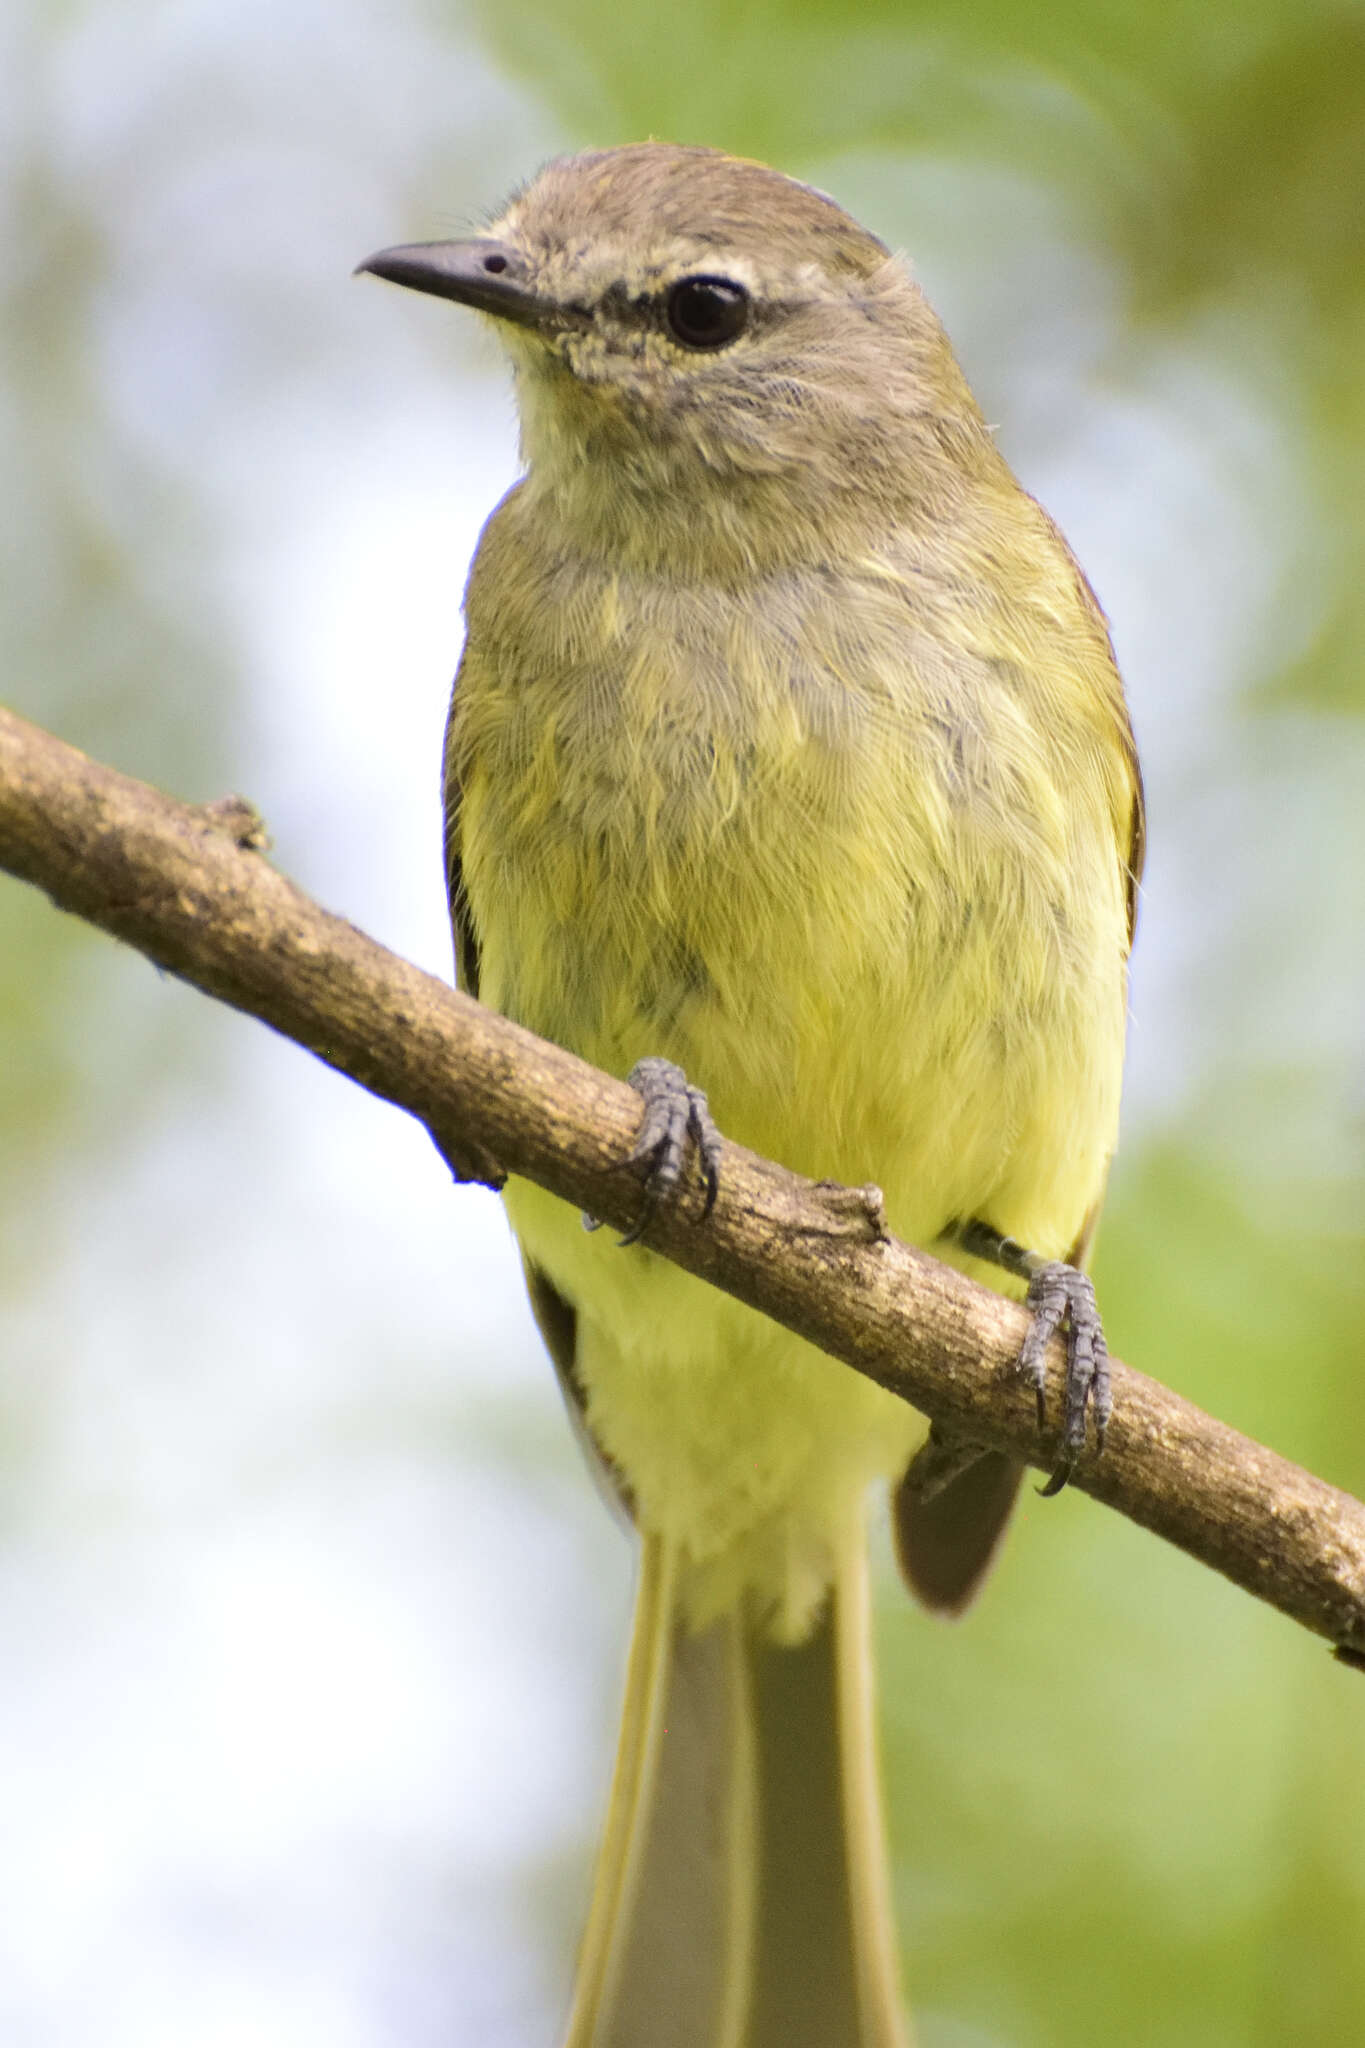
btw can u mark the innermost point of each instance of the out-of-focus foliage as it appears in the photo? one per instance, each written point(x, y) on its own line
point(88, 535)
point(1127, 1804)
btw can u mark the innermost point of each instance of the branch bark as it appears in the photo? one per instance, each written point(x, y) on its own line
point(189, 887)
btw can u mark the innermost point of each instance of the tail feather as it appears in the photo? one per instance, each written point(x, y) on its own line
point(742, 1896)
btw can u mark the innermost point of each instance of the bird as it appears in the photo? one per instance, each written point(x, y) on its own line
point(788, 772)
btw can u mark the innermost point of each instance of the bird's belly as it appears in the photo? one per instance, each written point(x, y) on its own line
point(868, 988)
point(859, 1005)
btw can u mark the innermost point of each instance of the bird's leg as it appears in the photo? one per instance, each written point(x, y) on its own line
point(674, 1112)
point(1057, 1294)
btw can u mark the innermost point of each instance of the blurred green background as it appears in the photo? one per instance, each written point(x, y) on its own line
point(313, 1629)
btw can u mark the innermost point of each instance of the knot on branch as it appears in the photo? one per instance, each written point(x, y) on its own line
point(238, 820)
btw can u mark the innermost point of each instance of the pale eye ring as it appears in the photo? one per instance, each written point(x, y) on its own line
point(706, 312)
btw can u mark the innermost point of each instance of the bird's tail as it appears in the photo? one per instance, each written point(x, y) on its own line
point(742, 1895)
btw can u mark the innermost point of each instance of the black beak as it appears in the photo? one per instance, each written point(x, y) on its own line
point(485, 274)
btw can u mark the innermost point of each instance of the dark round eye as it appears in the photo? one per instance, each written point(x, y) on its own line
point(706, 312)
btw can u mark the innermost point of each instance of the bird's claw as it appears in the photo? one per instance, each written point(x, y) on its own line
point(674, 1112)
point(1059, 1294)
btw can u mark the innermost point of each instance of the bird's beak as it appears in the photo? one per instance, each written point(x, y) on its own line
point(489, 275)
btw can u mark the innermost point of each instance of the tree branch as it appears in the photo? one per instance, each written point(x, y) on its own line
point(190, 889)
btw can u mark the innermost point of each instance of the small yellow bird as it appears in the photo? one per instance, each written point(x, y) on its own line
point(788, 769)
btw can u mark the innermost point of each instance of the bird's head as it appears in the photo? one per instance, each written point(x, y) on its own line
point(683, 322)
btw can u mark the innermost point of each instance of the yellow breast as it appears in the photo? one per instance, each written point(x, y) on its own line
point(864, 887)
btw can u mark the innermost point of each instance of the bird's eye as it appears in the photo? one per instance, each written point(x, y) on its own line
point(706, 312)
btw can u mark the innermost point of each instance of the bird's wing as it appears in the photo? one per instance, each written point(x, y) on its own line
point(461, 919)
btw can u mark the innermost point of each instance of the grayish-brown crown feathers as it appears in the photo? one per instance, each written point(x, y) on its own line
point(653, 195)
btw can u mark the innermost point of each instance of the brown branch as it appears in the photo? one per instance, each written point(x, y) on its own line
point(190, 889)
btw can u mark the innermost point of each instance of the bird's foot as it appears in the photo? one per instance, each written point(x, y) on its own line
point(674, 1112)
point(1059, 1294)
